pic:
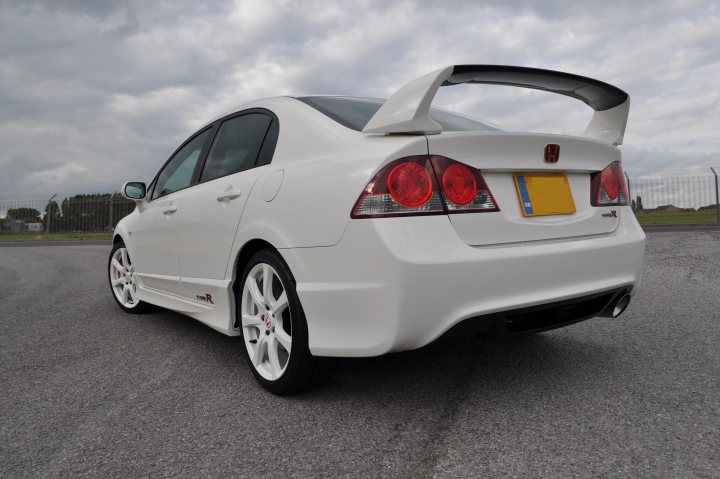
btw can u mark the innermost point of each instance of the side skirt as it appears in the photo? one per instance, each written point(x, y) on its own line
point(213, 305)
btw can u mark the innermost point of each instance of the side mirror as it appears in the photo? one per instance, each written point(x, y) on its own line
point(134, 190)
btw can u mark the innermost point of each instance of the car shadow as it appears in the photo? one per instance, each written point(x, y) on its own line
point(452, 365)
point(445, 368)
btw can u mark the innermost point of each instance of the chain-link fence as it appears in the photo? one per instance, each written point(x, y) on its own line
point(658, 197)
point(675, 196)
point(91, 213)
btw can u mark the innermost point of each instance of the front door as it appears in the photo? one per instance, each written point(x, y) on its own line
point(154, 237)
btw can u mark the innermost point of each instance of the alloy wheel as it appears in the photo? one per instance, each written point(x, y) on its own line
point(265, 319)
point(122, 278)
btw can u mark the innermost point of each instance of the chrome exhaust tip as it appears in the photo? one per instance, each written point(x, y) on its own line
point(618, 307)
point(621, 305)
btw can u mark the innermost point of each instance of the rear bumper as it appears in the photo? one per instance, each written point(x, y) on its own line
point(398, 284)
point(543, 317)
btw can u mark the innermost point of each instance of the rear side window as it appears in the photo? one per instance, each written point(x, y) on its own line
point(236, 145)
point(268, 147)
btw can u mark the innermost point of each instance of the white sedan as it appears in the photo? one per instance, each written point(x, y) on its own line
point(320, 227)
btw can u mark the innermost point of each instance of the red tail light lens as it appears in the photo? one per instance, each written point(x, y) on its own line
point(410, 185)
point(459, 184)
point(404, 187)
point(624, 192)
point(463, 187)
point(609, 183)
point(608, 187)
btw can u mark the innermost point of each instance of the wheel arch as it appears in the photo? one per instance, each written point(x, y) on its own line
point(243, 256)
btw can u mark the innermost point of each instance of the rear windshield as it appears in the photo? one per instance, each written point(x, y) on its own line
point(356, 112)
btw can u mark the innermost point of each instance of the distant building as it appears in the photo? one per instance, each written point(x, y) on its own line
point(15, 226)
point(19, 226)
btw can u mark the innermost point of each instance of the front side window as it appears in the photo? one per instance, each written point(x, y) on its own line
point(178, 172)
point(236, 145)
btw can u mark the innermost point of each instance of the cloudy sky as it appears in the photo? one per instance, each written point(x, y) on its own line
point(97, 92)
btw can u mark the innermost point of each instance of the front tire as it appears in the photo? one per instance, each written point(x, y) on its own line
point(123, 282)
point(274, 329)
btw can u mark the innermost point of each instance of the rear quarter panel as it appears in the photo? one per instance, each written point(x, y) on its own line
point(325, 166)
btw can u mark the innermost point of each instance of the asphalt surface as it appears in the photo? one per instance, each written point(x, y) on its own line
point(88, 391)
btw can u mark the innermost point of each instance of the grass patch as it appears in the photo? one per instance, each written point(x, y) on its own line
point(54, 236)
point(676, 218)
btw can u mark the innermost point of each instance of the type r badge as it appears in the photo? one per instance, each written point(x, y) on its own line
point(207, 298)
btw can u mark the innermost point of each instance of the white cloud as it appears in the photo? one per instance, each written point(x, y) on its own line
point(96, 92)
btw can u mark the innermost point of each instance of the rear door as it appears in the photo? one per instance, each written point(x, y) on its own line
point(503, 155)
point(239, 154)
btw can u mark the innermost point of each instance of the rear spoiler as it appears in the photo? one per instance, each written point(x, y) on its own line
point(408, 109)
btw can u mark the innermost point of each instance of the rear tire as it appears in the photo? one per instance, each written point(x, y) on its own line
point(122, 280)
point(274, 330)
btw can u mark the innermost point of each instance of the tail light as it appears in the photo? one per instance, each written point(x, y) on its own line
point(409, 187)
point(463, 188)
point(608, 187)
point(404, 187)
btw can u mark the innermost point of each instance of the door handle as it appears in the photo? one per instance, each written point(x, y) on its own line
point(229, 195)
point(170, 210)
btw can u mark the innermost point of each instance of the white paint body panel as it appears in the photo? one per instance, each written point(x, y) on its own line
point(311, 150)
point(155, 245)
point(609, 125)
point(395, 284)
point(499, 156)
point(372, 286)
point(207, 226)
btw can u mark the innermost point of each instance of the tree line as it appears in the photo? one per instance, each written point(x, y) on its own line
point(94, 212)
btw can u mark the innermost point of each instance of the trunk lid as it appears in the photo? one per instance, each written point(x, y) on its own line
point(500, 156)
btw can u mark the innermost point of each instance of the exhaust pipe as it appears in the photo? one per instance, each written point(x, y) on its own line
point(617, 307)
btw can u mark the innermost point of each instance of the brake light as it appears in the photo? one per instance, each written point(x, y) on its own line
point(463, 188)
point(459, 184)
point(404, 187)
point(608, 187)
point(409, 186)
point(625, 200)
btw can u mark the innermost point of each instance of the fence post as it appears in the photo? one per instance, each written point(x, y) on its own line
point(49, 214)
point(717, 196)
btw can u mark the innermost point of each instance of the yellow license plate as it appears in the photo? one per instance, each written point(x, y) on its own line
point(544, 194)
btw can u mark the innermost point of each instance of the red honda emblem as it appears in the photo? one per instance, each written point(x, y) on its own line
point(552, 153)
point(266, 320)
